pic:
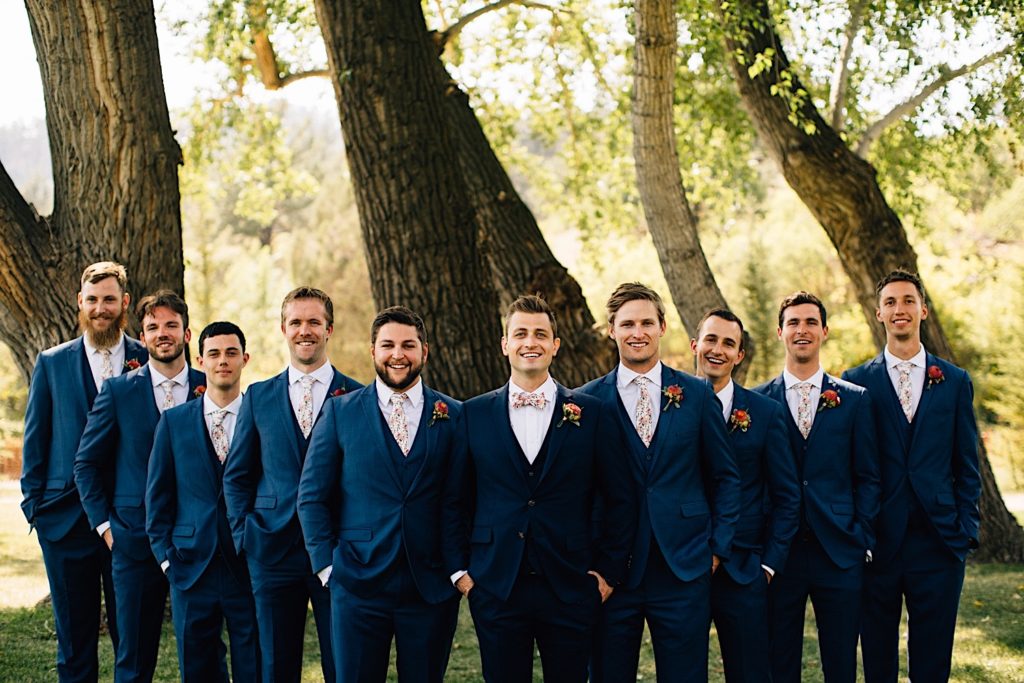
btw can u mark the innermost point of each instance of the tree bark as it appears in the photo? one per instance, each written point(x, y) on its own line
point(419, 229)
point(842, 193)
point(114, 171)
point(671, 222)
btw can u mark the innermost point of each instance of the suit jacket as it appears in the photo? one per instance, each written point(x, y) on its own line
point(688, 491)
point(934, 462)
point(261, 473)
point(59, 400)
point(581, 460)
point(354, 511)
point(186, 520)
point(838, 468)
point(769, 488)
point(118, 438)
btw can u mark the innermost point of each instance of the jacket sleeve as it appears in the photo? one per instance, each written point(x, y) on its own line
point(35, 451)
point(318, 488)
point(779, 467)
point(966, 477)
point(866, 474)
point(615, 488)
point(96, 452)
point(242, 470)
point(161, 493)
point(456, 502)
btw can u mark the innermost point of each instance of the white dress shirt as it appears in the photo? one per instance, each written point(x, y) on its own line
point(917, 375)
point(793, 395)
point(529, 424)
point(412, 406)
point(179, 390)
point(95, 359)
point(629, 392)
point(725, 398)
point(323, 375)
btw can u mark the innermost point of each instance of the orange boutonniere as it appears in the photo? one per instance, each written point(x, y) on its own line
point(571, 413)
point(829, 399)
point(338, 392)
point(935, 376)
point(440, 412)
point(673, 396)
point(132, 364)
point(740, 419)
point(199, 391)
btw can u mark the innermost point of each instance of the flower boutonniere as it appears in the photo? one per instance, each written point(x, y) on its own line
point(935, 376)
point(740, 419)
point(199, 391)
point(571, 413)
point(131, 364)
point(440, 412)
point(339, 392)
point(673, 394)
point(829, 399)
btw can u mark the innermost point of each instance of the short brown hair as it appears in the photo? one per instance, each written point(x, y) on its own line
point(400, 315)
point(724, 314)
point(802, 297)
point(900, 275)
point(531, 303)
point(164, 298)
point(306, 292)
point(104, 269)
point(633, 291)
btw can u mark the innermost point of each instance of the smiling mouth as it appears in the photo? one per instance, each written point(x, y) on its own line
point(401, 366)
point(714, 361)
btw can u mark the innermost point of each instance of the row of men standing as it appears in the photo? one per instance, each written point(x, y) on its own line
point(405, 492)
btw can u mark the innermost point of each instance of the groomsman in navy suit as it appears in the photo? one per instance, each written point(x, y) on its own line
point(681, 467)
point(832, 434)
point(187, 522)
point(389, 547)
point(930, 489)
point(770, 501)
point(117, 441)
point(537, 454)
point(261, 483)
point(65, 382)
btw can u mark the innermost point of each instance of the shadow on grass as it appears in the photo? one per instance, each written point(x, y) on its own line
point(19, 566)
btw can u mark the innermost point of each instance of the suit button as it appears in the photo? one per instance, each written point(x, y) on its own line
point(805, 482)
point(520, 534)
point(531, 503)
point(650, 490)
point(531, 473)
point(648, 457)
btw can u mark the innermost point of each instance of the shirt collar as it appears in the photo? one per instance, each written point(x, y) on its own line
point(415, 392)
point(548, 389)
point(210, 407)
point(624, 376)
point(726, 394)
point(816, 380)
point(157, 378)
point(113, 349)
point(920, 359)
point(324, 373)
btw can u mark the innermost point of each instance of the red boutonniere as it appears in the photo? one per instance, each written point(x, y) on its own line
point(338, 392)
point(199, 391)
point(132, 364)
point(673, 396)
point(935, 376)
point(740, 419)
point(440, 412)
point(571, 413)
point(829, 399)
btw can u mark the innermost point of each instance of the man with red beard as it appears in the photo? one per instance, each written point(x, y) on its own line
point(65, 382)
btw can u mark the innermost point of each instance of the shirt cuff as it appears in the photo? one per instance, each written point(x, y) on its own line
point(325, 574)
point(771, 572)
point(868, 556)
point(458, 575)
point(102, 528)
point(164, 565)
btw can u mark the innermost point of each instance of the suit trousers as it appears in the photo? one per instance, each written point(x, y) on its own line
point(740, 614)
point(76, 566)
point(142, 599)
point(835, 595)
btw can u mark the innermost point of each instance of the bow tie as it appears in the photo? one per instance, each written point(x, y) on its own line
point(522, 399)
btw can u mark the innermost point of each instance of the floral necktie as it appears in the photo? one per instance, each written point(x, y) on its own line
point(107, 366)
point(219, 435)
point(397, 424)
point(904, 390)
point(306, 405)
point(804, 413)
point(167, 385)
point(644, 414)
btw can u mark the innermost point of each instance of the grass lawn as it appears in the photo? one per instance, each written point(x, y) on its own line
point(989, 644)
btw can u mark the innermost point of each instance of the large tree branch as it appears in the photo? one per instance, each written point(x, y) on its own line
point(455, 29)
point(20, 229)
point(946, 75)
point(841, 76)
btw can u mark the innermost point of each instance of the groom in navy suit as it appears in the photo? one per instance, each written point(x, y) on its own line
point(930, 490)
point(770, 507)
point(65, 382)
point(389, 547)
point(118, 439)
point(537, 454)
point(261, 482)
point(832, 434)
point(681, 468)
point(187, 522)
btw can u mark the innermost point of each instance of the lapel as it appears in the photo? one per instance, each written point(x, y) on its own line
point(84, 388)
point(740, 401)
point(503, 425)
point(609, 388)
point(880, 385)
point(371, 412)
point(196, 379)
point(926, 400)
point(556, 434)
point(203, 444)
point(667, 417)
point(284, 406)
point(426, 431)
point(142, 387)
point(822, 415)
point(777, 392)
point(134, 351)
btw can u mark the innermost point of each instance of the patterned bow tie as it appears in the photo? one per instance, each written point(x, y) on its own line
point(521, 399)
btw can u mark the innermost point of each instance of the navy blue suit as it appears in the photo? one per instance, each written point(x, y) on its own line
point(770, 517)
point(261, 484)
point(927, 523)
point(688, 492)
point(77, 561)
point(117, 440)
point(187, 524)
point(838, 468)
point(388, 523)
point(531, 544)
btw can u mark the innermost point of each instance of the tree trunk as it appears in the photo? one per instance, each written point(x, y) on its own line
point(419, 230)
point(842, 192)
point(670, 220)
point(114, 171)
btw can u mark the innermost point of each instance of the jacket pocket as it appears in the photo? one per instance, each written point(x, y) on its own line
point(127, 501)
point(842, 508)
point(265, 502)
point(184, 530)
point(480, 534)
point(55, 484)
point(355, 534)
point(694, 508)
point(945, 499)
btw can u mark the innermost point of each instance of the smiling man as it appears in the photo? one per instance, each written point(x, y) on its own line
point(683, 474)
point(832, 434)
point(386, 548)
point(923, 409)
point(770, 500)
